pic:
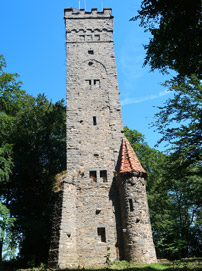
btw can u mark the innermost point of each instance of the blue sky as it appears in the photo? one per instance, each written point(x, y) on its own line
point(33, 42)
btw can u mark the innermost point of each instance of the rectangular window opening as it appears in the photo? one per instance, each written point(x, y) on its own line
point(93, 176)
point(89, 37)
point(101, 233)
point(131, 205)
point(97, 37)
point(94, 121)
point(103, 176)
point(88, 83)
point(97, 83)
point(90, 52)
point(82, 37)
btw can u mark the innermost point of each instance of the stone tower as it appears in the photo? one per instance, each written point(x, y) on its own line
point(98, 206)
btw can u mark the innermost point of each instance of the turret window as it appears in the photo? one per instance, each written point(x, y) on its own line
point(131, 205)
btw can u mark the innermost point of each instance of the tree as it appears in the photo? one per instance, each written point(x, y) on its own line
point(39, 153)
point(10, 97)
point(179, 122)
point(176, 35)
point(32, 152)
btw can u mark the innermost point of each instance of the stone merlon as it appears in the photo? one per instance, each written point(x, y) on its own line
point(82, 13)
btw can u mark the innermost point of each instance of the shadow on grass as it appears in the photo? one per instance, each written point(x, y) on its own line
point(139, 269)
point(181, 265)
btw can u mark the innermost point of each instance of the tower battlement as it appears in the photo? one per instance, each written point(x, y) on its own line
point(83, 26)
point(72, 13)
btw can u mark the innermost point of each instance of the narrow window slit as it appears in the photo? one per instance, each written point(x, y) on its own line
point(131, 205)
point(94, 120)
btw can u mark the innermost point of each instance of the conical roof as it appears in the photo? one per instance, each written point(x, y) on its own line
point(128, 161)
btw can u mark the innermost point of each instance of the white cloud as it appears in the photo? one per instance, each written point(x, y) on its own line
point(144, 99)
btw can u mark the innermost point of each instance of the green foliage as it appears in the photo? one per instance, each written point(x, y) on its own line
point(147, 156)
point(180, 124)
point(180, 121)
point(6, 162)
point(108, 261)
point(32, 152)
point(39, 154)
point(176, 29)
point(9, 87)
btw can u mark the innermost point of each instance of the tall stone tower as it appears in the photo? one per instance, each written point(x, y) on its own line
point(98, 206)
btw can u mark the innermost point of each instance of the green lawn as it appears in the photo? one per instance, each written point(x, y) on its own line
point(183, 265)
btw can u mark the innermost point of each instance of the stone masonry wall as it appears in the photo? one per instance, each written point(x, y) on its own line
point(94, 133)
point(55, 237)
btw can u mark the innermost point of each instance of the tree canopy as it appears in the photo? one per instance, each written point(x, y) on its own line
point(32, 152)
point(180, 121)
point(176, 35)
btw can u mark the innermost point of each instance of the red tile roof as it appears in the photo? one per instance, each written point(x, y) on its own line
point(128, 160)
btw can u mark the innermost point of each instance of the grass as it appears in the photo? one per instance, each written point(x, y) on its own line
point(182, 265)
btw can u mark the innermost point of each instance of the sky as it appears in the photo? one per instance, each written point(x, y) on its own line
point(32, 40)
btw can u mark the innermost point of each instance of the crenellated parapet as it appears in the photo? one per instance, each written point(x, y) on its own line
point(72, 13)
point(84, 26)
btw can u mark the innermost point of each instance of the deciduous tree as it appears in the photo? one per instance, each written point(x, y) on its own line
point(176, 35)
point(32, 152)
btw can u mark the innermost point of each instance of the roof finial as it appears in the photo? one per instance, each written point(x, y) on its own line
point(79, 4)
